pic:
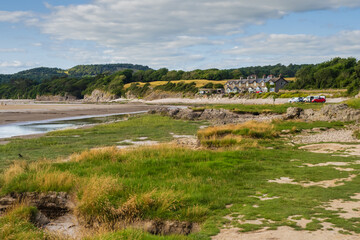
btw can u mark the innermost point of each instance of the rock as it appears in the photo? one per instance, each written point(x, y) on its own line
point(55, 98)
point(99, 96)
point(293, 112)
point(340, 112)
point(169, 227)
point(216, 116)
point(40, 220)
point(286, 131)
point(6, 202)
point(173, 112)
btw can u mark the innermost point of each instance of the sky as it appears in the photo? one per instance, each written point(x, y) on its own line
point(176, 34)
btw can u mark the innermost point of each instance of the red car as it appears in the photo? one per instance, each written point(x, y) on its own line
point(320, 99)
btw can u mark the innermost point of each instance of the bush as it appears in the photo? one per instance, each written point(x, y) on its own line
point(354, 103)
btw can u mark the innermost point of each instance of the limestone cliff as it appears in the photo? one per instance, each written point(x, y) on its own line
point(99, 96)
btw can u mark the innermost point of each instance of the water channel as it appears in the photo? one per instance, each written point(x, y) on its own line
point(44, 126)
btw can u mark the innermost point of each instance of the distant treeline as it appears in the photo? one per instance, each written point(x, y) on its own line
point(83, 79)
point(336, 73)
point(43, 73)
point(164, 74)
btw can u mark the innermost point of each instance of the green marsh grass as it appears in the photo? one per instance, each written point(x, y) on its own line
point(263, 108)
point(16, 224)
point(59, 144)
point(165, 182)
point(354, 103)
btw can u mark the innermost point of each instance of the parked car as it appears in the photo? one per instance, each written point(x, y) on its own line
point(320, 99)
point(308, 99)
point(258, 91)
point(296, 99)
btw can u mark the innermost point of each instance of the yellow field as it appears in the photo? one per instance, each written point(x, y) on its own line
point(290, 79)
point(199, 82)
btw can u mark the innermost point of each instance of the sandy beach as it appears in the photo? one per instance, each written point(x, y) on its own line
point(31, 111)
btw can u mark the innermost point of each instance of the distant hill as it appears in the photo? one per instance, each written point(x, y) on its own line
point(96, 69)
point(37, 74)
point(43, 73)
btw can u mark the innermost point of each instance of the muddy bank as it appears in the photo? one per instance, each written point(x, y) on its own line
point(57, 214)
point(12, 113)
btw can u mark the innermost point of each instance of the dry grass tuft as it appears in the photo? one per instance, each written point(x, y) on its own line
point(99, 203)
point(138, 206)
point(94, 204)
point(235, 134)
point(13, 171)
point(251, 129)
point(99, 154)
point(36, 176)
point(57, 180)
point(195, 212)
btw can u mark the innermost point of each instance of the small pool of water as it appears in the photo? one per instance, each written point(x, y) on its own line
point(44, 126)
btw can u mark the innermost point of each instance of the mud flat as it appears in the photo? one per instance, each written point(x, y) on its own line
point(20, 112)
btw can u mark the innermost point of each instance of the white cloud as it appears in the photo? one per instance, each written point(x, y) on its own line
point(12, 64)
point(37, 44)
point(181, 33)
point(165, 32)
point(17, 65)
point(118, 23)
point(11, 50)
point(13, 17)
point(298, 48)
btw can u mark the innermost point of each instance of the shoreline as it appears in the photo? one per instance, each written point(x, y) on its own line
point(13, 111)
point(16, 113)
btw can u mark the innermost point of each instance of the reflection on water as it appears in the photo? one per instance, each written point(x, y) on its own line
point(37, 127)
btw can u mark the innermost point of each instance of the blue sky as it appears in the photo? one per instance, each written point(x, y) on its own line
point(176, 34)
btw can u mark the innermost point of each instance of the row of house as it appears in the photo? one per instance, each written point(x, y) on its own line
point(253, 84)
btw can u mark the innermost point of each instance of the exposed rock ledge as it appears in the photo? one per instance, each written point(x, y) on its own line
point(99, 96)
point(52, 204)
point(216, 116)
point(341, 112)
point(55, 98)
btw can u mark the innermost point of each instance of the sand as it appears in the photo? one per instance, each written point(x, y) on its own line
point(20, 112)
point(283, 233)
point(345, 149)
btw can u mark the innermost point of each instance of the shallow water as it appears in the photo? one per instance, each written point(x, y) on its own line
point(44, 126)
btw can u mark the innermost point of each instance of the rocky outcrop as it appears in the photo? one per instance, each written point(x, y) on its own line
point(293, 112)
point(99, 96)
point(55, 98)
point(169, 227)
point(340, 112)
point(215, 116)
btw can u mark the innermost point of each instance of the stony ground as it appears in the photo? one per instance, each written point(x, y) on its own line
point(342, 143)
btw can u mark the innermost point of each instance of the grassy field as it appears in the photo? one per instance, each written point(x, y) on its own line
point(173, 183)
point(199, 82)
point(261, 108)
